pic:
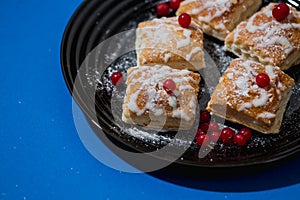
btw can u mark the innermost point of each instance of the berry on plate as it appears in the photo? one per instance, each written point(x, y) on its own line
point(203, 140)
point(204, 116)
point(174, 4)
point(246, 132)
point(116, 78)
point(163, 9)
point(239, 139)
point(227, 135)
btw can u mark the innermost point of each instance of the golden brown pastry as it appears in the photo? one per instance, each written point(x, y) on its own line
point(263, 39)
point(238, 98)
point(147, 103)
point(164, 41)
point(218, 17)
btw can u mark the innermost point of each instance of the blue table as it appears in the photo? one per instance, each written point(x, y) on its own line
point(41, 154)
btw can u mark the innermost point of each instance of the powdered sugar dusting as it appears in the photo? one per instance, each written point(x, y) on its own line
point(154, 138)
point(266, 115)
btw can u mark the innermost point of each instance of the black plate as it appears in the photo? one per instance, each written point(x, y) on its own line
point(95, 21)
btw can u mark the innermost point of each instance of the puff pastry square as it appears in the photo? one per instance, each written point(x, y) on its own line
point(219, 17)
point(239, 99)
point(262, 38)
point(164, 41)
point(146, 103)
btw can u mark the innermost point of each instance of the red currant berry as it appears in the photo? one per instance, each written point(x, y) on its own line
point(204, 127)
point(174, 4)
point(184, 20)
point(263, 80)
point(246, 132)
point(239, 140)
point(214, 136)
point(116, 78)
point(226, 135)
point(169, 86)
point(281, 11)
point(214, 127)
point(204, 116)
point(163, 9)
point(199, 132)
point(203, 140)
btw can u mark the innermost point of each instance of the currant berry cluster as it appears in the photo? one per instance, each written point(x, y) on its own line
point(209, 132)
point(164, 9)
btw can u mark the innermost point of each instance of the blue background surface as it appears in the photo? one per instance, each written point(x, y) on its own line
point(41, 154)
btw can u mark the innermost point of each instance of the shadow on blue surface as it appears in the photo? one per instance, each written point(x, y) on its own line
point(276, 175)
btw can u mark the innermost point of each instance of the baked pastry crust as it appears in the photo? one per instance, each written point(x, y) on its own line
point(219, 17)
point(146, 103)
point(239, 99)
point(164, 41)
point(263, 39)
